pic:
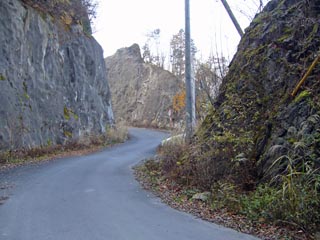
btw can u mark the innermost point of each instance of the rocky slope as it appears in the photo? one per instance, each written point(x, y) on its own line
point(142, 94)
point(255, 120)
point(52, 80)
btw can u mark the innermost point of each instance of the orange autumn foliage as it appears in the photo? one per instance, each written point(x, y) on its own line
point(179, 101)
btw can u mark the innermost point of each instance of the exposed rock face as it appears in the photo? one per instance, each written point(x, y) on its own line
point(255, 120)
point(53, 82)
point(141, 93)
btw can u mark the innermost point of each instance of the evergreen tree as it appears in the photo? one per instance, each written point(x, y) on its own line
point(177, 53)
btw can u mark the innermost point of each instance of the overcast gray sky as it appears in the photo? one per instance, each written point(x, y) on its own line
point(120, 23)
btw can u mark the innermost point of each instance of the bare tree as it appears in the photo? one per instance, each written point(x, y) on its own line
point(146, 53)
point(209, 75)
point(151, 49)
point(249, 8)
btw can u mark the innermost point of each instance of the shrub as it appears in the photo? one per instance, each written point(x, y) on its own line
point(173, 160)
point(117, 133)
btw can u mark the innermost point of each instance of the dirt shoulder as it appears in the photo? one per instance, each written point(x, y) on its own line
point(180, 197)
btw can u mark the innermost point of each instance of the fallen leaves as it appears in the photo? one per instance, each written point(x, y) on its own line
point(180, 197)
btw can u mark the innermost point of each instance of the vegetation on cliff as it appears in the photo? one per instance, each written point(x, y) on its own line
point(69, 11)
point(258, 148)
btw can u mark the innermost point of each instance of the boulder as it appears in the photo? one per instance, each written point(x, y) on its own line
point(204, 196)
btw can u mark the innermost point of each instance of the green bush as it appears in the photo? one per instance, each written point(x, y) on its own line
point(298, 206)
point(259, 203)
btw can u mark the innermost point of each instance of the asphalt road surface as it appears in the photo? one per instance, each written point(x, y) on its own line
point(96, 197)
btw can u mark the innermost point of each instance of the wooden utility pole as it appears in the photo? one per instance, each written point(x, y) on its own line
point(190, 86)
point(233, 18)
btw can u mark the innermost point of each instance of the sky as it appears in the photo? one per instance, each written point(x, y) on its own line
point(121, 23)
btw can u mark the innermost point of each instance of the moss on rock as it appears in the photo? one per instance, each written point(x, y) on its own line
point(253, 110)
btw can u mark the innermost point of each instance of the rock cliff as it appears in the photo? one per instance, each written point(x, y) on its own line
point(142, 94)
point(255, 120)
point(52, 80)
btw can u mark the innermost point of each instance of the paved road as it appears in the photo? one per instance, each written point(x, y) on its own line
point(95, 197)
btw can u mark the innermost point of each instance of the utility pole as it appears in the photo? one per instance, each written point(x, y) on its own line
point(190, 88)
point(233, 18)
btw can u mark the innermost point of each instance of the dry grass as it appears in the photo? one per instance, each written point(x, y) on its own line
point(118, 133)
point(84, 145)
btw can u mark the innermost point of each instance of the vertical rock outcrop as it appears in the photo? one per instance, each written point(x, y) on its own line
point(142, 94)
point(255, 120)
point(52, 80)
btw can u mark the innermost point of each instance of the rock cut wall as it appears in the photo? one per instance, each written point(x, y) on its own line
point(52, 80)
point(142, 93)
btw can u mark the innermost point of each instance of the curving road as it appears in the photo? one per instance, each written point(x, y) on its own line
point(96, 197)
